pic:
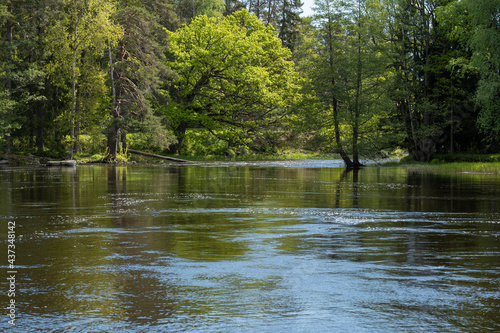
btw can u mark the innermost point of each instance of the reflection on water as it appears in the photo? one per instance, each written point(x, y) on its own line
point(252, 247)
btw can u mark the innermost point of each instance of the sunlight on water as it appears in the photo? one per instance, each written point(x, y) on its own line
point(252, 247)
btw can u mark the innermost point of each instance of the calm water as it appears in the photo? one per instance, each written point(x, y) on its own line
point(250, 247)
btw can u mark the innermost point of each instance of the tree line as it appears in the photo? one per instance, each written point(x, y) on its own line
point(357, 77)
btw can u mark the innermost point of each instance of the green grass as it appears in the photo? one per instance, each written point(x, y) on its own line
point(467, 157)
point(286, 155)
point(458, 167)
point(454, 163)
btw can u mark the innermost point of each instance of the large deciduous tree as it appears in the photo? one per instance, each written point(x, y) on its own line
point(234, 78)
point(349, 71)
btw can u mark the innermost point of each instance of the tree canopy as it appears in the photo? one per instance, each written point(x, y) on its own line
point(357, 78)
point(233, 77)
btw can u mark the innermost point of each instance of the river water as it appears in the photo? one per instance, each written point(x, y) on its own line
point(250, 247)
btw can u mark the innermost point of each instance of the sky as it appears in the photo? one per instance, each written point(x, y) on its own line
point(307, 7)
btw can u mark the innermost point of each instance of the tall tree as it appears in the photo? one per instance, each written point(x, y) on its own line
point(283, 15)
point(188, 10)
point(85, 31)
point(328, 50)
point(6, 125)
point(21, 74)
point(485, 42)
point(289, 22)
point(137, 67)
point(422, 53)
point(234, 77)
point(350, 72)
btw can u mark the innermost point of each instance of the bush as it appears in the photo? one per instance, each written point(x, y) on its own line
point(200, 142)
point(156, 142)
point(92, 144)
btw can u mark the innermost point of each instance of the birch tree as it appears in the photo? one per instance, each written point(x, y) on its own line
point(84, 32)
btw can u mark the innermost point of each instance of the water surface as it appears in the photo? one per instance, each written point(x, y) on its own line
point(251, 247)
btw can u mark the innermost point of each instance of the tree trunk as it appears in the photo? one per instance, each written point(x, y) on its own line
point(113, 132)
point(113, 136)
point(73, 83)
point(180, 134)
point(357, 104)
point(8, 145)
point(132, 151)
point(76, 144)
point(39, 134)
point(338, 141)
point(334, 101)
point(123, 140)
point(269, 2)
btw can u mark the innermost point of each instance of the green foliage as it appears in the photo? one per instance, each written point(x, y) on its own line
point(433, 79)
point(366, 76)
point(188, 10)
point(6, 107)
point(233, 76)
point(199, 142)
point(485, 41)
point(146, 141)
point(345, 56)
point(92, 144)
point(75, 42)
point(462, 167)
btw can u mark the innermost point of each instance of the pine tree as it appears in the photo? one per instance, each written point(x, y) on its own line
point(137, 66)
point(289, 22)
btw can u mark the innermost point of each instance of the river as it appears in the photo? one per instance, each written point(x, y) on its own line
point(300, 246)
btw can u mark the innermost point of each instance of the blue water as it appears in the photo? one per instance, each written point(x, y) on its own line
point(251, 247)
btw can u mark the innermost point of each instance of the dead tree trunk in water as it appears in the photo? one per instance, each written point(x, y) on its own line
point(132, 151)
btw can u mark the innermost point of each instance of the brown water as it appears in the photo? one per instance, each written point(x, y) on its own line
point(250, 247)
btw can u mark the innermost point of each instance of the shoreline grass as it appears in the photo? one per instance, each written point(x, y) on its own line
point(283, 156)
point(491, 168)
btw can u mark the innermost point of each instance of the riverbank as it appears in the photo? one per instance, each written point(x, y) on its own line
point(281, 156)
point(454, 163)
point(19, 160)
point(458, 167)
point(449, 163)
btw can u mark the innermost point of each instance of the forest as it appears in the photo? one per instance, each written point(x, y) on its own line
point(212, 77)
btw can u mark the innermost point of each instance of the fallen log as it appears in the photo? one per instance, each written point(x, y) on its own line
point(132, 151)
point(67, 163)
